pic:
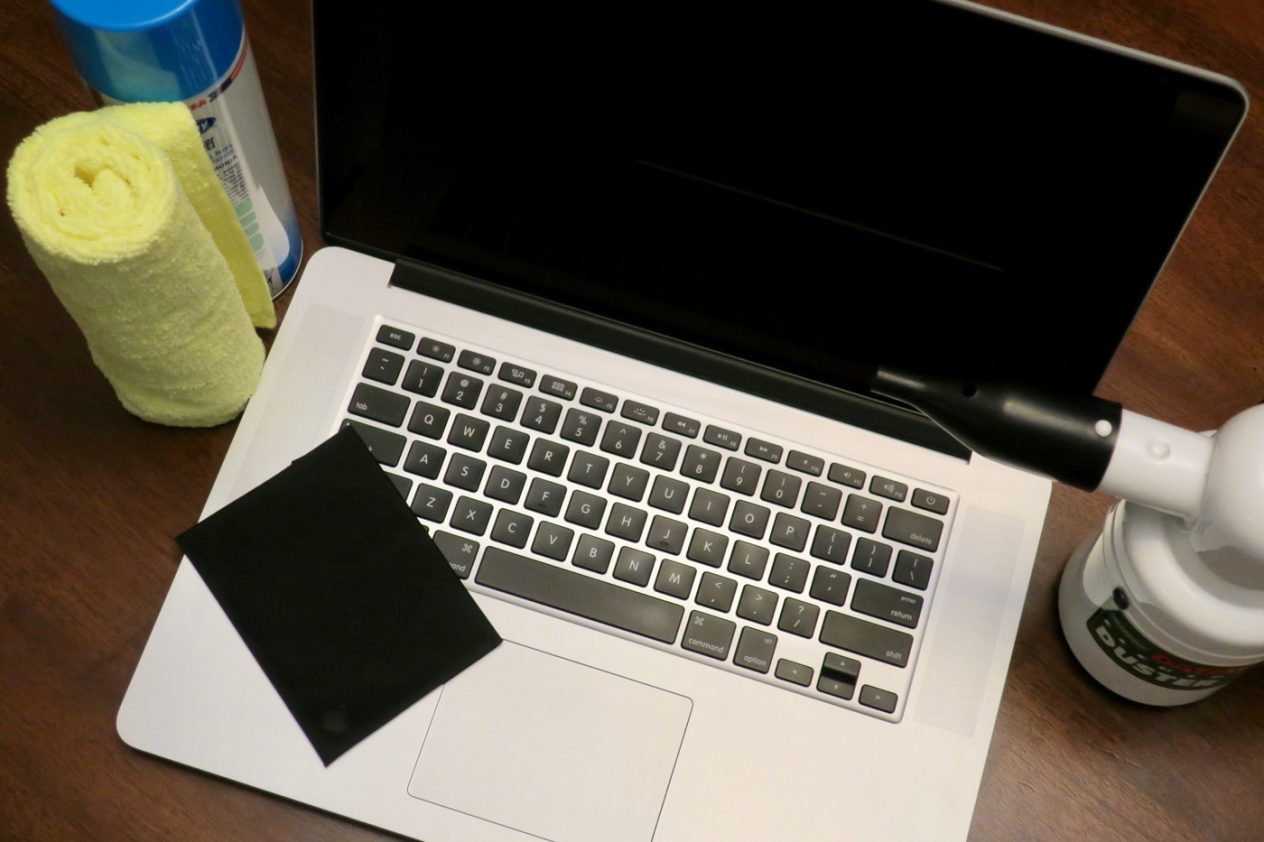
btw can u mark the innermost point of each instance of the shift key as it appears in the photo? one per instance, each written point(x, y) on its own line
point(865, 638)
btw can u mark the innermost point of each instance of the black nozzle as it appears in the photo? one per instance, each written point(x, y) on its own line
point(1060, 436)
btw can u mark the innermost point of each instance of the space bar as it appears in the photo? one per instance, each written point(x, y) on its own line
point(579, 594)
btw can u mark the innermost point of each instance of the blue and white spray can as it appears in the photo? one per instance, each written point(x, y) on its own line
point(196, 52)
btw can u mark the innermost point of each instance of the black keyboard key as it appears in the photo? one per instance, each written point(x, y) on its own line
point(830, 585)
point(675, 579)
point(707, 547)
point(422, 378)
point(757, 605)
point(789, 573)
point(749, 560)
point(385, 446)
point(681, 425)
point(821, 500)
point(460, 553)
point(634, 567)
point(840, 667)
point(548, 457)
point(831, 544)
point(428, 420)
point(763, 450)
point(871, 557)
point(593, 553)
point(626, 522)
point(878, 699)
point(865, 638)
point(383, 366)
point(462, 390)
point(598, 399)
point(465, 472)
point(396, 337)
point(669, 495)
point(579, 594)
point(621, 439)
point(888, 488)
point(512, 528)
point(517, 375)
point(749, 520)
point(700, 464)
point(541, 415)
point(798, 617)
point(846, 475)
point(708, 635)
point(910, 569)
point(552, 541)
point(660, 452)
point(470, 515)
point(586, 510)
point(431, 503)
point(834, 687)
point(508, 445)
point(475, 361)
point(628, 482)
point(709, 507)
point(740, 476)
point(502, 402)
point(642, 413)
point(754, 650)
point(545, 497)
point(930, 501)
point(721, 437)
point(838, 676)
point(379, 405)
point(886, 603)
point(424, 460)
point(558, 387)
point(505, 485)
point(790, 532)
point(862, 513)
point(436, 350)
point(588, 469)
point(781, 489)
point(911, 528)
point(468, 432)
point(805, 463)
point(794, 672)
point(581, 427)
point(666, 535)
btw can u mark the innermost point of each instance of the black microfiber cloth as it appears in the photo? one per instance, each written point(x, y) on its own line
point(339, 593)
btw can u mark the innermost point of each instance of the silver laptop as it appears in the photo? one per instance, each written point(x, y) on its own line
point(604, 300)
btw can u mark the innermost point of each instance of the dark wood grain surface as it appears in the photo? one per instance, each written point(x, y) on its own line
point(91, 499)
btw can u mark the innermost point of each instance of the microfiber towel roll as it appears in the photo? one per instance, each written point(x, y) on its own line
point(105, 216)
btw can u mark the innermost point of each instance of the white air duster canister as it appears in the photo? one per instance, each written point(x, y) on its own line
point(1153, 619)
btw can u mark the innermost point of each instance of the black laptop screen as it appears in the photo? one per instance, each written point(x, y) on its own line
point(898, 182)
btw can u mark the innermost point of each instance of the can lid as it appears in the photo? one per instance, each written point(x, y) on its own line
point(151, 50)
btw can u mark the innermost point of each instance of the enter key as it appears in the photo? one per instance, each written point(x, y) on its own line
point(885, 603)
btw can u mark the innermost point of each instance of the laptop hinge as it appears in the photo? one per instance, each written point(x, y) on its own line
point(648, 346)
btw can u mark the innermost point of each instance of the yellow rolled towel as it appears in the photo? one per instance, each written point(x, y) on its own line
point(103, 213)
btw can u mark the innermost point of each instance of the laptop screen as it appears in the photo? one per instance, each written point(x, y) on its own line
point(905, 183)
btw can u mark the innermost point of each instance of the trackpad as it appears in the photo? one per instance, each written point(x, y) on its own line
point(552, 748)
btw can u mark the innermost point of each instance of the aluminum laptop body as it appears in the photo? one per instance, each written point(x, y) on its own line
point(706, 235)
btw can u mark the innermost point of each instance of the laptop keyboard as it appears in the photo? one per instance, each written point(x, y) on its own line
point(807, 571)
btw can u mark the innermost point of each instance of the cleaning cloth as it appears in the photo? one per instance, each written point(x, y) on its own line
point(105, 215)
point(335, 587)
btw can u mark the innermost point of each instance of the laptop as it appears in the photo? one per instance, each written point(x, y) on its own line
point(603, 298)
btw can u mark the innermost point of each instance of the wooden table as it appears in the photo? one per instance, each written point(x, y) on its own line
point(91, 499)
